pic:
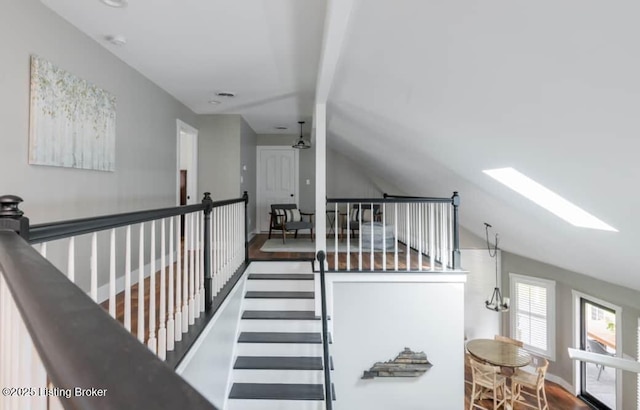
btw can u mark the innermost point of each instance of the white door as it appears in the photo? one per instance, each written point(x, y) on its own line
point(188, 161)
point(277, 180)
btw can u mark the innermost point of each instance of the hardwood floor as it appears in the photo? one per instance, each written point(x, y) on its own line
point(557, 397)
point(256, 243)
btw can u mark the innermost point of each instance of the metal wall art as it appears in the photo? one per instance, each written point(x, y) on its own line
point(407, 364)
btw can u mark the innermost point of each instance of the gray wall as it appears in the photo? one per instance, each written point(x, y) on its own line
point(248, 170)
point(566, 280)
point(145, 175)
point(219, 155)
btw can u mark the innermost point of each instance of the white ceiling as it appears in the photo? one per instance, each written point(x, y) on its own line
point(426, 95)
point(266, 51)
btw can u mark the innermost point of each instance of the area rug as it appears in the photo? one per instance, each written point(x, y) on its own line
point(305, 245)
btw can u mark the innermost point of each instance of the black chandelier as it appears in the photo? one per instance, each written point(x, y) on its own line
point(301, 143)
point(497, 302)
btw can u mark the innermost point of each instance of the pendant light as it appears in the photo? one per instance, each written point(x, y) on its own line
point(497, 302)
point(301, 143)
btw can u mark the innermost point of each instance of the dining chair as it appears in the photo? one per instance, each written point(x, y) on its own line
point(508, 340)
point(287, 217)
point(487, 378)
point(533, 382)
point(597, 347)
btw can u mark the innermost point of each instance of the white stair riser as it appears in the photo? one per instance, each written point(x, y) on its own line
point(247, 325)
point(278, 349)
point(280, 285)
point(278, 304)
point(235, 404)
point(281, 267)
point(278, 376)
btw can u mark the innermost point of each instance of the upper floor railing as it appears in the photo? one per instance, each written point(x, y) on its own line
point(54, 335)
point(396, 233)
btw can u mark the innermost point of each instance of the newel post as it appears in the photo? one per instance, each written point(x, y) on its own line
point(455, 201)
point(245, 197)
point(11, 217)
point(208, 283)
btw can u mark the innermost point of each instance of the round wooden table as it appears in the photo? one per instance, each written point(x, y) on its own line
point(498, 353)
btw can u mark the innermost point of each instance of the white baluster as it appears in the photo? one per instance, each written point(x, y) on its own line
point(162, 331)
point(71, 258)
point(336, 219)
point(395, 225)
point(372, 261)
point(191, 268)
point(94, 267)
point(408, 235)
point(152, 342)
point(141, 284)
point(202, 272)
point(170, 296)
point(348, 237)
point(419, 228)
point(185, 274)
point(196, 256)
point(112, 274)
point(360, 236)
point(38, 378)
point(384, 236)
point(178, 302)
point(432, 244)
point(43, 249)
point(127, 280)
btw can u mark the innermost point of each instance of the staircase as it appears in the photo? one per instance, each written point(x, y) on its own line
point(279, 350)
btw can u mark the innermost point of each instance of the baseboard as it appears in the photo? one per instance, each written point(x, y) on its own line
point(561, 382)
point(103, 291)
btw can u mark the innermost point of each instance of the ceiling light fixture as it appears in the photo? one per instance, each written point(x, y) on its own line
point(497, 302)
point(280, 127)
point(300, 142)
point(117, 40)
point(547, 199)
point(227, 94)
point(115, 3)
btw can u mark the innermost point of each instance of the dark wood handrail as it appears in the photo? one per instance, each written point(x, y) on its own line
point(325, 335)
point(389, 200)
point(80, 345)
point(64, 229)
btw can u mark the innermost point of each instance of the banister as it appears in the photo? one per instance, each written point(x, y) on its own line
point(325, 335)
point(80, 345)
point(389, 200)
point(63, 229)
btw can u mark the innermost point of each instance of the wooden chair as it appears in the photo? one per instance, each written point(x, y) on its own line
point(487, 378)
point(287, 217)
point(508, 340)
point(531, 381)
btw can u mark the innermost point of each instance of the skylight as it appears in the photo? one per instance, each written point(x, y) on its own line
point(547, 199)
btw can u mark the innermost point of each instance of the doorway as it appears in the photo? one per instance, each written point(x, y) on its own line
point(598, 323)
point(277, 180)
point(187, 169)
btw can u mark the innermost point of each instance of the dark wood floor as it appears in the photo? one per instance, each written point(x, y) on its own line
point(256, 243)
point(557, 397)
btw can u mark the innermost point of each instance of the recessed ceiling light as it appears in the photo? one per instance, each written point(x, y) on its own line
point(115, 3)
point(227, 94)
point(547, 199)
point(116, 40)
point(281, 127)
point(214, 102)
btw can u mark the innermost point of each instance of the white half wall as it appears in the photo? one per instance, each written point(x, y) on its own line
point(374, 321)
point(479, 322)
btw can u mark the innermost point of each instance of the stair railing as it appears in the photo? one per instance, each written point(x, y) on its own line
point(325, 335)
point(56, 312)
point(394, 233)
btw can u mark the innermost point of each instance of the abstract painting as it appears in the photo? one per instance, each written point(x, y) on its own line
point(72, 122)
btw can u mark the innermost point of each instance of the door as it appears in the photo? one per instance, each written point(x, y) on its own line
point(187, 147)
point(277, 180)
point(183, 197)
point(597, 335)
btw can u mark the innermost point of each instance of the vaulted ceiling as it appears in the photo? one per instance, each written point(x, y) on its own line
point(426, 95)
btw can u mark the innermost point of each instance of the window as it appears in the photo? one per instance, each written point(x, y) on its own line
point(533, 314)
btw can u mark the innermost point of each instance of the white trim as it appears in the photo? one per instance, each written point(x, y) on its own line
point(576, 339)
point(193, 174)
point(560, 381)
point(550, 285)
point(296, 176)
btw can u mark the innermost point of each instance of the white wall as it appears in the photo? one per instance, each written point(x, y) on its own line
point(479, 322)
point(248, 170)
point(208, 365)
point(375, 321)
point(345, 179)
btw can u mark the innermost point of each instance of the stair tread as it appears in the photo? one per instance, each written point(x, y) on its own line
point(280, 314)
point(281, 337)
point(281, 276)
point(277, 391)
point(280, 362)
point(278, 295)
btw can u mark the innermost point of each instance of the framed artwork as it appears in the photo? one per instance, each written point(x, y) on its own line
point(72, 122)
